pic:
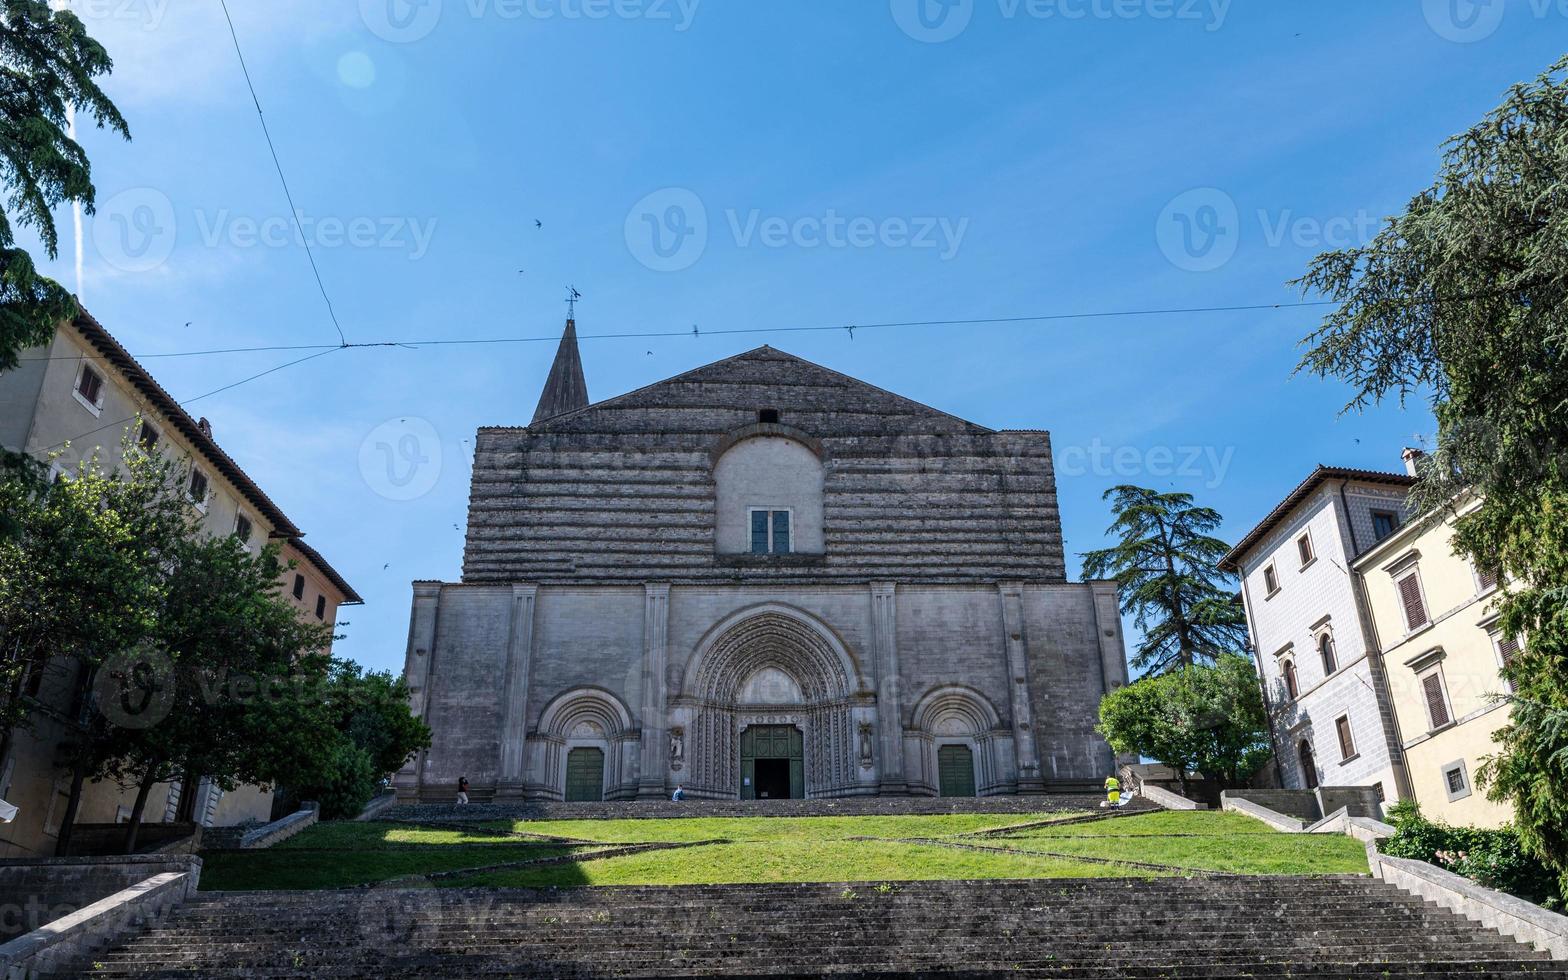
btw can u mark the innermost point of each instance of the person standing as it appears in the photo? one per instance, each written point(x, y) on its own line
point(462, 791)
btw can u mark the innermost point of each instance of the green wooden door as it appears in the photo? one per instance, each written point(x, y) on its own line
point(772, 742)
point(585, 776)
point(956, 770)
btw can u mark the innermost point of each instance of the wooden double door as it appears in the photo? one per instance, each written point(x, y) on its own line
point(772, 763)
point(955, 766)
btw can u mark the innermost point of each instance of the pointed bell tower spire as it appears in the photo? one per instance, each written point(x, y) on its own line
point(566, 390)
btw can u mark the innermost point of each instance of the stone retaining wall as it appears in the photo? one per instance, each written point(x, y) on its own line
point(37, 891)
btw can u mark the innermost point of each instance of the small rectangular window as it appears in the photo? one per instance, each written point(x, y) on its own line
point(90, 385)
point(1415, 605)
point(1381, 795)
point(1456, 781)
point(1384, 523)
point(299, 586)
point(770, 532)
point(1347, 743)
point(242, 529)
point(147, 437)
point(1507, 650)
point(198, 487)
point(1486, 578)
point(321, 607)
point(1304, 549)
point(1270, 580)
point(1436, 701)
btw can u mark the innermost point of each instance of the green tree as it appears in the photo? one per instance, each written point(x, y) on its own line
point(1205, 718)
point(1463, 299)
point(48, 67)
point(1166, 565)
point(362, 731)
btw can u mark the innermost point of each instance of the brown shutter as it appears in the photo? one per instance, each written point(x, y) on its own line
point(1508, 649)
point(1436, 707)
point(1347, 745)
point(1410, 595)
point(1488, 579)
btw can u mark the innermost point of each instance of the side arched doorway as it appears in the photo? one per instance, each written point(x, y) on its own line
point(1309, 767)
point(955, 771)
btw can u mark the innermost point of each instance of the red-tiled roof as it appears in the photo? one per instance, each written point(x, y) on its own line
point(350, 597)
point(1232, 560)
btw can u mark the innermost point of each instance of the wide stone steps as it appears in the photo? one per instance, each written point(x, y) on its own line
point(855, 806)
point(1083, 929)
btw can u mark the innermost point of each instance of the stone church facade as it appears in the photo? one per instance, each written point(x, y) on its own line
point(760, 578)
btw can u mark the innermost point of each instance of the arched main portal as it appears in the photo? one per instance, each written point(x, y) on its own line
point(768, 670)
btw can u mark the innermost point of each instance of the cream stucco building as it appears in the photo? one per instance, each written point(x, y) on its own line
point(1434, 622)
point(68, 401)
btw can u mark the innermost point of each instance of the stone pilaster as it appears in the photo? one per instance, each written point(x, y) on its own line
point(890, 728)
point(514, 695)
point(655, 670)
point(417, 671)
point(1029, 779)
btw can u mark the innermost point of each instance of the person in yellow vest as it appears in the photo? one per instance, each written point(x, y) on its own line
point(1113, 791)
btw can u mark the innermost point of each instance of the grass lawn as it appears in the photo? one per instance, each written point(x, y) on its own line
point(774, 849)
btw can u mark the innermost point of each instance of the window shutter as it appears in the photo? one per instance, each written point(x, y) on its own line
point(1410, 595)
point(1290, 680)
point(1508, 648)
point(1436, 707)
point(1347, 745)
point(1326, 648)
point(1488, 579)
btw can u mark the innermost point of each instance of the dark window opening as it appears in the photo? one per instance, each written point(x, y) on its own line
point(242, 529)
point(199, 487)
point(299, 586)
point(147, 438)
point(770, 532)
point(321, 607)
point(90, 386)
point(1384, 523)
point(768, 416)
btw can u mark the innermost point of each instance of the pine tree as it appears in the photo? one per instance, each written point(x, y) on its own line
point(1166, 564)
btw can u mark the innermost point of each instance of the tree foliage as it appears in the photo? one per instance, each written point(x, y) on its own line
point(1166, 564)
point(1205, 718)
point(48, 65)
point(1463, 299)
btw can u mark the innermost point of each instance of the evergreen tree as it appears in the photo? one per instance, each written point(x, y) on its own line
point(1166, 565)
point(1463, 299)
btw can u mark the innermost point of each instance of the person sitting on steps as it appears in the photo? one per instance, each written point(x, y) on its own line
point(680, 794)
point(462, 791)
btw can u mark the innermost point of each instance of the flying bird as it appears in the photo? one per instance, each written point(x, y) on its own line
point(538, 223)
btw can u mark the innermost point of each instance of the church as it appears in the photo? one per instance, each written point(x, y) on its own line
point(760, 579)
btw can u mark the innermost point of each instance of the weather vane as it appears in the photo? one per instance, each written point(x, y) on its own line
point(572, 296)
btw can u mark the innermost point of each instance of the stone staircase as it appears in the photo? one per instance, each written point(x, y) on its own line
point(1345, 926)
point(855, 806)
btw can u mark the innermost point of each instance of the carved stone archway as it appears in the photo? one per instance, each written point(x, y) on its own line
point(773, 648)
point(587, 717)
point(958, 715)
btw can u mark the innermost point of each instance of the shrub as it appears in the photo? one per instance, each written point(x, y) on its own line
point(1492, 858)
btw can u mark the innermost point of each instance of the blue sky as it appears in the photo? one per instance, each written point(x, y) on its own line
point(811, 163)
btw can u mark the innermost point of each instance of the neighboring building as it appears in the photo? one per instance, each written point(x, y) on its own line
point(1434, 616)
point(1331, 715)
point(760, 578)
point(78, 396)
